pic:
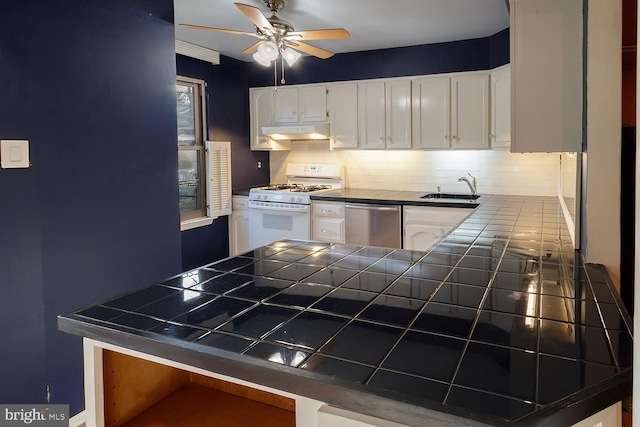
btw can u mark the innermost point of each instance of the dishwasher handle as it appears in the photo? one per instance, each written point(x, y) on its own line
point(369, 207)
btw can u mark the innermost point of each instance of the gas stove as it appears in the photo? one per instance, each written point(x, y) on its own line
point(303, 180)
point(284, 210)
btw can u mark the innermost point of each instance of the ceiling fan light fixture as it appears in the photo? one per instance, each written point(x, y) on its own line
point(291, 56)
point(268, 50)
point(261, 60)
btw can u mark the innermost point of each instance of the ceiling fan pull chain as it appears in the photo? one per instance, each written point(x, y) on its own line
point(282, 59)
point(275, 76)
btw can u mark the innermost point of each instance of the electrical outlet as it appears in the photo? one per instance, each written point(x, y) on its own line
point(259, 165)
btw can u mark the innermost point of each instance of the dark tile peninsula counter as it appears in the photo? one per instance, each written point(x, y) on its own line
point(501, 323)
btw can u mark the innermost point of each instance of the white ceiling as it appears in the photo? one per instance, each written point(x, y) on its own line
point(373, 24)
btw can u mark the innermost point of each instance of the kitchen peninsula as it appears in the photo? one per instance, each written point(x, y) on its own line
point(500, 323)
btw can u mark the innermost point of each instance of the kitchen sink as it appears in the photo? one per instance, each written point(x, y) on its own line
point(458, 196)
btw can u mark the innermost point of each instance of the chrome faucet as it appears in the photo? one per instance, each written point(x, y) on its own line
point(473, 186)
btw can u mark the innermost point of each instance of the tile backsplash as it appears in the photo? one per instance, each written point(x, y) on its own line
point(498, 172)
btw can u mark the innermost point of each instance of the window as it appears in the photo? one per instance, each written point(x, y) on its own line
point(191, 153)
point(204, 173)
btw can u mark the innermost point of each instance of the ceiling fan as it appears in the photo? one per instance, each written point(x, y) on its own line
point(278, 37)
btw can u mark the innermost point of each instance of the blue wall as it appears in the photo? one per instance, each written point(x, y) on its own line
point(91, 85)
point(466, 55)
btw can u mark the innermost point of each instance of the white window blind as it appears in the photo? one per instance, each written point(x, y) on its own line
point(218, 156)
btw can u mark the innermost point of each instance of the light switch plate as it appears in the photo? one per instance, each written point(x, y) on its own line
point(14, 153)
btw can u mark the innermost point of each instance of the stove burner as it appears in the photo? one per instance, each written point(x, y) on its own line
point(309, 188)
point(277, 187)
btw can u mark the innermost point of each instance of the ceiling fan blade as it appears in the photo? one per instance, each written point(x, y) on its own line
point(311, 50)
point(256, 16)
point(219, 30)
point(331, 33)
point(253, 48)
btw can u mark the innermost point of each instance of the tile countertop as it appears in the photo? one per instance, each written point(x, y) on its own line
point(501, 323)
point(394, 197)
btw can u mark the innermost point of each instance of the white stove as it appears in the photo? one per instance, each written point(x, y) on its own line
point(282, 211)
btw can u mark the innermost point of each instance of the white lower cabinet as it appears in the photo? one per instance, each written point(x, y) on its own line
point(330, 416)
point(239, 226)
point(424, 226)
point(327, 223)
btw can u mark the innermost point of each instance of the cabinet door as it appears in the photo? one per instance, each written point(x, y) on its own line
point(312, 102)
point(470, 112)
point(371, 115)
point(420, 237)
point(239, 226)
point(261, 114)
point(431, 113)
point(285, 103)
point(343, 115)
point(501, 107)
point(546, 39)
point(398, 113)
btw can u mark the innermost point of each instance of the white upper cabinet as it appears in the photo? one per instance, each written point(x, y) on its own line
point(398, 113)
point(470, 112)
point(371, 121)
point(285, 105)
point(451, 112)
point(313, 103)
point(342, 103)
point(261, 114)
point(431, 113)
point(384, 114)
point(297, 104)
point(440, 112)
point(546, 39)
point(501, 107)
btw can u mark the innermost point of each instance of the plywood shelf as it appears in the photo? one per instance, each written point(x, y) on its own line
point(196, 405)
point(139, 392)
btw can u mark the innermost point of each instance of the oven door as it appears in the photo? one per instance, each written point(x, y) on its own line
point(270, 221)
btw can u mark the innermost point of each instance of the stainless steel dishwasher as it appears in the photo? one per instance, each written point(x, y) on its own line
point(373, 225)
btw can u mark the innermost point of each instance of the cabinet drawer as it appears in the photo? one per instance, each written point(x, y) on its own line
point(335, 210)
point(239, 203)
point(435, 215)
point(328, 229)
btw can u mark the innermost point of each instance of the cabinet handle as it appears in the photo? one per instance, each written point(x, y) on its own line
point(325, 231)
point(324, 211)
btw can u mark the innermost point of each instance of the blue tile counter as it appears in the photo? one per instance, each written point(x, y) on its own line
point(501, 323)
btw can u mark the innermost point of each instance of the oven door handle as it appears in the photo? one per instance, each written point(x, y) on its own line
point(279, 207)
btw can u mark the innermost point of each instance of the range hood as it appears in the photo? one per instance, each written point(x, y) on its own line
point(297, 132)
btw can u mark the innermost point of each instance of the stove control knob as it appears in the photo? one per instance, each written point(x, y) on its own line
point(299, 199)
point(291, 199)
